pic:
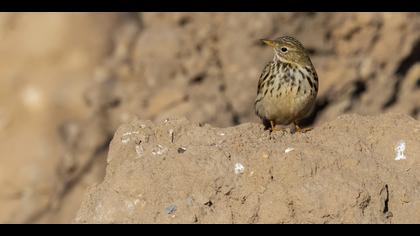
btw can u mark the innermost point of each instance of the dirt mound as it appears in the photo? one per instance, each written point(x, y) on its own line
point(78, 76)
point(355, 169)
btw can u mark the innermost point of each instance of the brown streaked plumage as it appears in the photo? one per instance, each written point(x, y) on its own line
point(288, 85)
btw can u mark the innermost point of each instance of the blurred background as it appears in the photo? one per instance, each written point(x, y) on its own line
point(68, 80)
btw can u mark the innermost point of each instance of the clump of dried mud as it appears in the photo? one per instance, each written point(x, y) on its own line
point(355, 169)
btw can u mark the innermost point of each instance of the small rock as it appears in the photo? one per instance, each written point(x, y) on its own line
point(239, 168)
point(139, 150)
point(289, 149)
point(399, 149)
point(171, 135)
point(181, 150)
point(159, 150)
point(170, 209)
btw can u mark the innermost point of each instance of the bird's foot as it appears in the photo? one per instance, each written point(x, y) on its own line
point(274, 127)
point(277, 129)
point(301, 130)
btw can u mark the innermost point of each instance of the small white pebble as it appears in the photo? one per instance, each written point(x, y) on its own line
point(171, 135)
point(239, 168)
point(159, 150)
point(289, 149)
point(130, 206)
point(170, 209)
point(139, 150)
point(125, 140)
point(130, 133)
point(222, 134)
point(399, 151)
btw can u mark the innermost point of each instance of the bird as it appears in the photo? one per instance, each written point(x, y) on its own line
point(288, 85)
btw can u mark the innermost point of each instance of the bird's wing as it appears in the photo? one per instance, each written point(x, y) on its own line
point(264, 76)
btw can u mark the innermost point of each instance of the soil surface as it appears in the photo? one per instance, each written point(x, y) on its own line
point(355, 169)
point(69, 80)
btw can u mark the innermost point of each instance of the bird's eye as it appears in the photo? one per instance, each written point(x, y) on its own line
point(284, 49)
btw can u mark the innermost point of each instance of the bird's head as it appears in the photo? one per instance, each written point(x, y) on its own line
point(288, 49)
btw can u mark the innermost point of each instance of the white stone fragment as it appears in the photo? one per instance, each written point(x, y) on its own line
point(399, 151)
point(239, 168)
point(289, 149)
point(159, 150)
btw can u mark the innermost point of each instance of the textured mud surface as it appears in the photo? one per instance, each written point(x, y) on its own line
point(69, 80)
point(354, 169)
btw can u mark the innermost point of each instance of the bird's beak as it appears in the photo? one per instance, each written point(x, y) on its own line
point(269, 42)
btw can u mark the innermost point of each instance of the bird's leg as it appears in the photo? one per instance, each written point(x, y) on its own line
point(273, 126)
point(300, 130)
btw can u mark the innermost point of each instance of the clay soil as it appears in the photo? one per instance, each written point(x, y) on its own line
point(175, 91)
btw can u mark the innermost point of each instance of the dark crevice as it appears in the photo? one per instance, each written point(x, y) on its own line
point(386, 207)
point(382, 65)
point(401, 71)
point(320, 105)
point(418, 83)
point(115, 102)
point(311, 51)
point(184, 21)
point(222, 87)
point(199, 47)
point(270, 172)
point(352, 32)
point(374, 40)
point(415, 112)
point(378, 25)
point(98, 152)
point(198, 78)
point(359, 87)
point(181, 150)
point(328, 35)
point(410, 60)
point(394, 97)
point(236, 120)
point(228, 192)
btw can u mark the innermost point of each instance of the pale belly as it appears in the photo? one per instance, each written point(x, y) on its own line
point(286, 107)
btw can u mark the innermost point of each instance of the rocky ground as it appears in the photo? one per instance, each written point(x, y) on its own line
point(79, 76)
point(355, 169)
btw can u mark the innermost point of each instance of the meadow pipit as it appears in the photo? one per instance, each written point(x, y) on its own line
point(288, 85)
